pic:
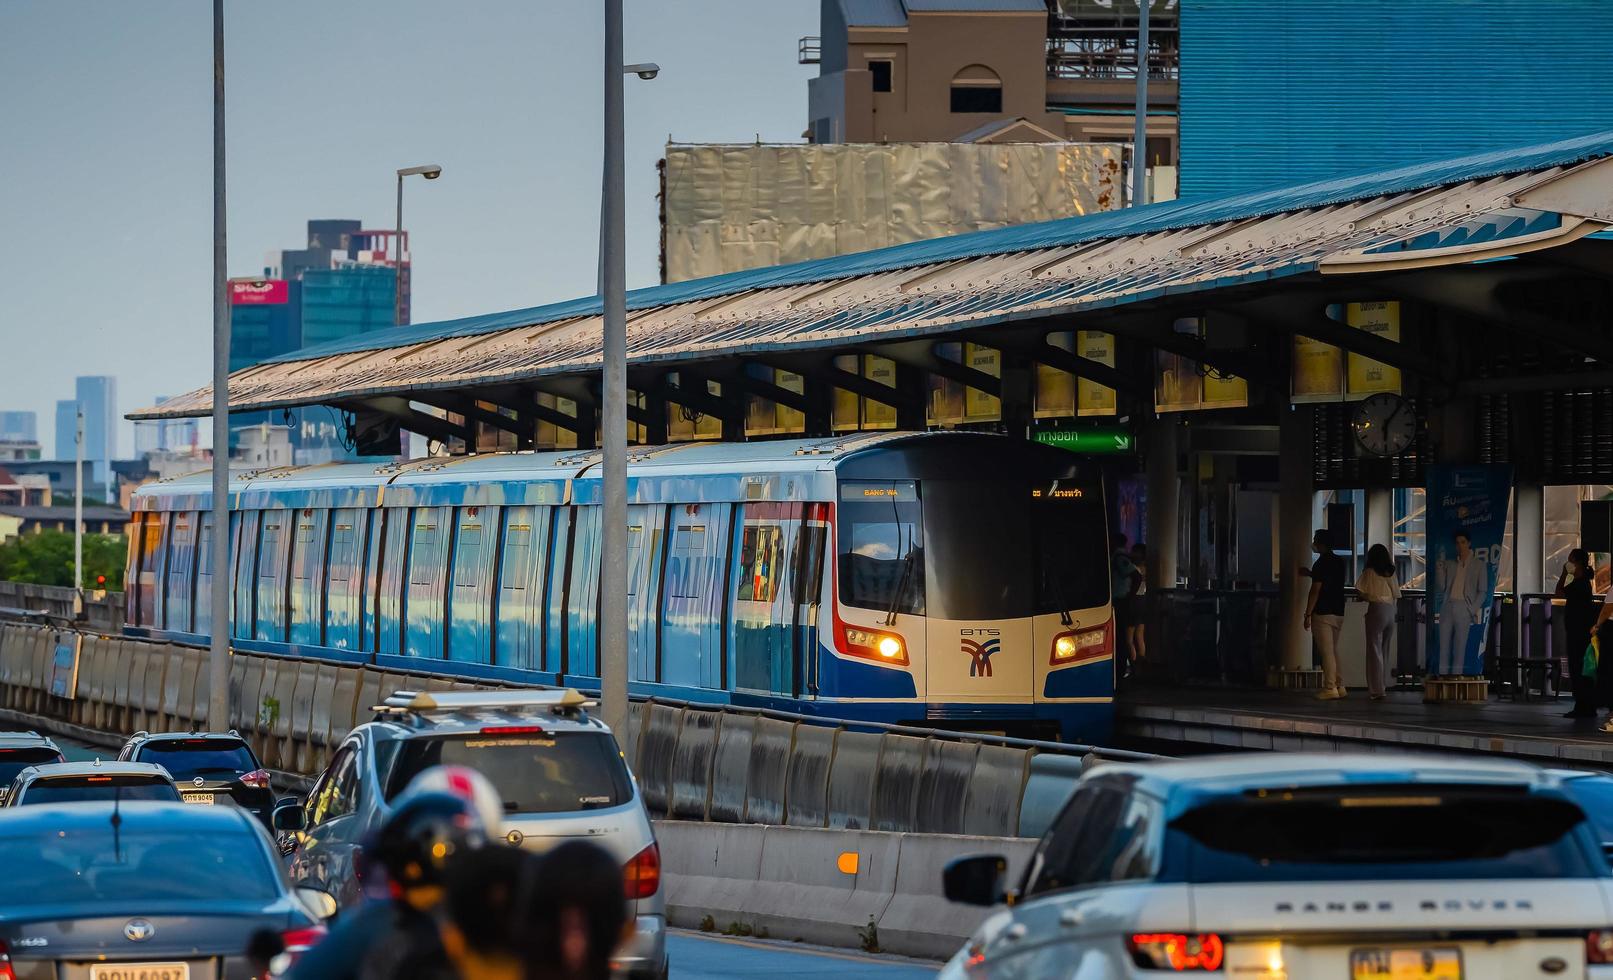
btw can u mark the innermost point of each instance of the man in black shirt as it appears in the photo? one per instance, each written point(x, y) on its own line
point(1324, 612)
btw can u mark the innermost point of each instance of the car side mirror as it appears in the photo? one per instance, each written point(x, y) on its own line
point(320, 902)
point(976, 879)
point(289, 816)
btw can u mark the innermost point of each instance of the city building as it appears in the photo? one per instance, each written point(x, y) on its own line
point(58, 474)
point(19, 449)
point(343, 282)
point(1037, 70)
point(1355, 85)
point(19, 427)
point(179, 436)
point(95, 396)
point(30, 490)
point(16, 520)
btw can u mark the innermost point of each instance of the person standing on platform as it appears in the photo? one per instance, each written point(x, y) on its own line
point(1378, 586)
point(1136, 637)
point(1602, 629)
point(1579, 616)
point(1324, 612)
point(1121, 571)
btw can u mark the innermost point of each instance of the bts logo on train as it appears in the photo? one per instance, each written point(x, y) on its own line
point(980, 645)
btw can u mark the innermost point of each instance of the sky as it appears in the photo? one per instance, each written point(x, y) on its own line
point(106, 156)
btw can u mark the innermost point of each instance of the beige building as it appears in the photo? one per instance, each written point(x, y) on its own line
point(1017, 70)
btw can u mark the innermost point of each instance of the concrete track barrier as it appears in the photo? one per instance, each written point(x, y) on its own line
point(807, 783)
point(155, 657)
point(299, 747)
point(730, 768)
point(277, 715)
point(1052, 780)
point(835, 887)
point(656, 749)
point(851, 780)
point(120, 715)
point(995, 789)
point(173, 677)
point(690, 779)
point(261, 674)
point(769, 764)
point(943, 789)
point(896, 781)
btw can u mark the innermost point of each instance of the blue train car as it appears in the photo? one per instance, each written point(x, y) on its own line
point(944, 579)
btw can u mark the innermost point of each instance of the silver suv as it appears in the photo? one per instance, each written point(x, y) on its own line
point(558, 769)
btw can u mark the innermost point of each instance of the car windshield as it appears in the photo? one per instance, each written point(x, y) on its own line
point(540, 772)
point(13, 761)
point(96, 863)
point(1382, 833)
point(185, 758)
point(92, 789)
point(1594, 794)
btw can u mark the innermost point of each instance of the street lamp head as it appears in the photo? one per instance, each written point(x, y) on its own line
point(646, 71)
point(430, 171)
point(432, 174)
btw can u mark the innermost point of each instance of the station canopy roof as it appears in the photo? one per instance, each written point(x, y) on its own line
point(1463, 211)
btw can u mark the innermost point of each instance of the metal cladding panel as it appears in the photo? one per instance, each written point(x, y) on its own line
point(1277, 92)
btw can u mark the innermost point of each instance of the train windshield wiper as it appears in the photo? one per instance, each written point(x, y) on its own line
point(901, 586)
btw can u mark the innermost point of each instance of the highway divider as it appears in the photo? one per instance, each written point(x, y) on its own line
point(712, 763)
point(858, 888)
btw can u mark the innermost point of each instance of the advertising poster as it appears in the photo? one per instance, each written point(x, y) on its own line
point(946, 396)
point(1055, 389)
point(1318, 371)
point(878, 414)
point(979, 406)
point(1366, 376)
point(1091, 397)
point(1467, 516)
point(64, 665)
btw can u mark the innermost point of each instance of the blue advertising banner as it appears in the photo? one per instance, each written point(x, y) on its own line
point(1467, 518)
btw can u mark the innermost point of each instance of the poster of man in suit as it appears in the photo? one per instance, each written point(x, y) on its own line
point(1467, 518)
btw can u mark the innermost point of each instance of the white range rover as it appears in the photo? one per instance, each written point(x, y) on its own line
point(1272, 866)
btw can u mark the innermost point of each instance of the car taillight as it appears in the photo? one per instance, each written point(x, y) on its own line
point(512, 730)
point(6, 972)
point(257, 779)
point(1176, 951)
point(298, 942)
point(1599, 946)
point(641, 878)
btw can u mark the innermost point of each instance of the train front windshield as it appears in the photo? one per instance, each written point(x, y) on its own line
point(961, 549)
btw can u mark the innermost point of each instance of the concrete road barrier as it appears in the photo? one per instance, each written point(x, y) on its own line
point(851, 888)
point(807, 783)
point(690, 779)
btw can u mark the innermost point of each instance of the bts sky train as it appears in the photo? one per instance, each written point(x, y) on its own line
point(942, 579)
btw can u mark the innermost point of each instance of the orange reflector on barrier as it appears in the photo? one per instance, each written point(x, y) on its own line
point(847, 862)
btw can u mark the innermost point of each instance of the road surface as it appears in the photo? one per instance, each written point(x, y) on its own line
point(696, 956)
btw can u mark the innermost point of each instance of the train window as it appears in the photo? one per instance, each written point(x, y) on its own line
point(685, 567)
point(423, 553)
point(517, 552)
point(882, 546)
point(759, 562)
point(808, 564)
point(204, 542)
point(269, 552)
point(1071, 544)
point(469, 573)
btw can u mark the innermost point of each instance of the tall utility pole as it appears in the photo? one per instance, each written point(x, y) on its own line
point(613, 417)
point(218, 685)
point(1139, 138)
point(430, 171)
point(78, 511)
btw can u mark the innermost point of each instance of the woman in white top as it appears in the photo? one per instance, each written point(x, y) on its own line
point(1378, 587)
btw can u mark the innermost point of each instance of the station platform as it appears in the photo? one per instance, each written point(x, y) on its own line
point(1187, 720)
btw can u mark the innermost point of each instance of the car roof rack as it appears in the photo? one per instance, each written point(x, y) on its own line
point(563, 701)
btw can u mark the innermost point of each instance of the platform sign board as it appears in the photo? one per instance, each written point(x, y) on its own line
point(1325, 373)
point(1467, 517)
point(64, 665)
point(1107, 441)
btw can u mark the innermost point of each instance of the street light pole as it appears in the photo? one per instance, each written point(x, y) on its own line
point(430, 171)
point(218, 659)
point(613, 417)
point(1139, 139)
point(78, 510)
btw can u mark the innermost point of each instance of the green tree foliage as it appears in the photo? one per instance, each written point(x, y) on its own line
point(46, 558)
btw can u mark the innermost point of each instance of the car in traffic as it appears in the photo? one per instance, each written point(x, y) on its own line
point(209, 768)
point(143, 891)
point(558, 770)
point(18, 751)
point(1268, 866)
point(91, 782)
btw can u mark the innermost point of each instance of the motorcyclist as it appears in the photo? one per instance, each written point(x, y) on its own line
point(446, 811)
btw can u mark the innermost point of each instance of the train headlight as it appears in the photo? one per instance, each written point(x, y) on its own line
point(1085, 644)
point(887, 648)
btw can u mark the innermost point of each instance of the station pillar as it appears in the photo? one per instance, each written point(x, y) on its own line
point(1292, 644)
point(1380, 518)
point(1163, 503)
point(1529, 539)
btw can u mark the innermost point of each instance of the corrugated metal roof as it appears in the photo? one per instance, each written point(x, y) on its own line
point(973, 6)
point(1450, 211)
point(873, 13)
point(1291, 91)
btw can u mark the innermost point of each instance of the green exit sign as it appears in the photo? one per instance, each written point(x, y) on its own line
point(1090, 441)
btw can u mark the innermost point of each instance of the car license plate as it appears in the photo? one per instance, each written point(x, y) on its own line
point(197, 798)
point(140, 971)
point(1429, 963)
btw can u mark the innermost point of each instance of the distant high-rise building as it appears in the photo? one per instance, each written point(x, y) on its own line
point(98, 399)
point(343, 283)
point(166, 435)
point(66, 426)
point(19, 426)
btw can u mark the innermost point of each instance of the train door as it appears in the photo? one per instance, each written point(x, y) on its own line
point(244, 532)
point(427, 566)
point(394, 573)
point(805, 586)
point(344, 575)
point(692, 601)
point(762, 612)
point(470, 607)
point(582, 595)
point(645, 538)
point(202, 595)
point(559, 581)
point(519, 633)
point(144, 575)
point(307, 575)
point(273, 536)
point(180, 570)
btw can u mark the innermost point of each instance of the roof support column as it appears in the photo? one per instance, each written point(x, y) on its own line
point(1164, 496)
point(1294, 495)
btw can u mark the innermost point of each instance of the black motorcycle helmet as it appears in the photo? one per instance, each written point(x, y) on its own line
point(425, 832)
